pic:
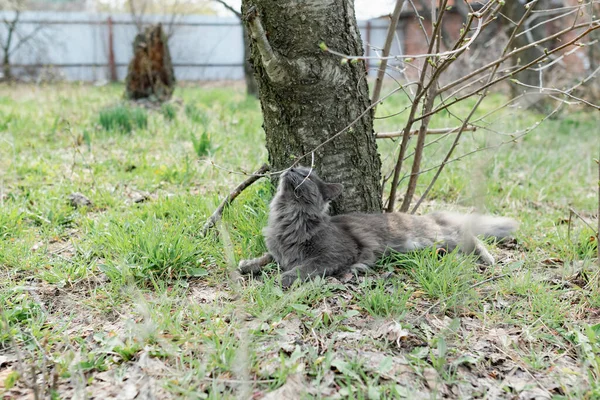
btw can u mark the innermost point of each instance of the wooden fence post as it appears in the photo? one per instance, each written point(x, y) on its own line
point(112, 67)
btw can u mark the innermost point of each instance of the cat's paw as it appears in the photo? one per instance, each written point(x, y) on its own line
point(288, 279)
point(484, 256)
point(360, 268)
point(246, 266)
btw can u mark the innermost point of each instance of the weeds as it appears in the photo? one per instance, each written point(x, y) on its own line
point(169, 111)
point(196, 115)
point(447, 278)
point(123, 118)
point(384, 299)
point(202, 145)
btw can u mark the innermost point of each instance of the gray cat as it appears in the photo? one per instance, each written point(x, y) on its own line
point(306, 241)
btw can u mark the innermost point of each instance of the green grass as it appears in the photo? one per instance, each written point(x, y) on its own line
point(169, 111)
point(128, 284)
point(123, 118)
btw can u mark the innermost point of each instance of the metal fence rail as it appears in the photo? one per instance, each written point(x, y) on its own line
point(95, 47)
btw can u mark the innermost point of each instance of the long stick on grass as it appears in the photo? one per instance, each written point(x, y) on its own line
point(598, 216)
point(231, 196)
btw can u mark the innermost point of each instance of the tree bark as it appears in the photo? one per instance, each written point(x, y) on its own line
point(251, 86)
point(308, 95)
point(6, 68)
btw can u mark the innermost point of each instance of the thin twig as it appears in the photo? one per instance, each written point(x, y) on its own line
point(229, 8)
point(231, 196)
point(429, 54)
point(430, 131)
point(386, 49)
point(414, 177)
point(311, 169)
point(583, 220)
point(504, 77)
point(564, 92)
point(422, 90)
point(523, 48)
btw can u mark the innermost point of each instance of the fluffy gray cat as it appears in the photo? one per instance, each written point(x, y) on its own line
point(306, 241)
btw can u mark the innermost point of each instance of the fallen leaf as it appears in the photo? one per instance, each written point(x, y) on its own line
point(393, 332)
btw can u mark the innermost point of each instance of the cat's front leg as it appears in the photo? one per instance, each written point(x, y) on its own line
point(254, 265)
point(482, 253)
point(471, 245)
point(288, 278)
point(303, 273)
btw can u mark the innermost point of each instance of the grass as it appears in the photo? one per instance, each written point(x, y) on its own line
point(91, 296)
point(123, 118)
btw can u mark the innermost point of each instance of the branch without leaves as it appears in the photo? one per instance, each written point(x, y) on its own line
point(229, 8)
point(386, 50)
point(231, 197)
point(431, 131)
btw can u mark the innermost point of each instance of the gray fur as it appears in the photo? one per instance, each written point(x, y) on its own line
point(306, 241)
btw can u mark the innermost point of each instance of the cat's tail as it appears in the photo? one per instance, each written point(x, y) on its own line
point(489, 226)
point(482, 225)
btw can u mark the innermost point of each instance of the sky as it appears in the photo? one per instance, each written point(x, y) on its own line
point(365, 9)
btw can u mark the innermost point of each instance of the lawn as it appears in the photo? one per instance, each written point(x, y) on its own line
point(121, 297)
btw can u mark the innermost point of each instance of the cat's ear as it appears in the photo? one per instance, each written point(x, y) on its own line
point(332, 190)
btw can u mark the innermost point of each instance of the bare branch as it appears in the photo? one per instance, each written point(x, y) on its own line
point(231, 197)
point(407, 199)
point(583, 220)
point(563, 92)
point(274, 65)
point(431, 131)
point(412, 183)
point(386, 49)
point(521, 49)
point(420, 21)
point(135, 16)
point(491, 83)
point(422, 91)
point(229, 8)
point(416, 56)
point(24, 39)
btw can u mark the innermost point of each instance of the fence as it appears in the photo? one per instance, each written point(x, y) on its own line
point(97, 47)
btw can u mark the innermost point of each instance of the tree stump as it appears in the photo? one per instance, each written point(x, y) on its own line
point(150, 74)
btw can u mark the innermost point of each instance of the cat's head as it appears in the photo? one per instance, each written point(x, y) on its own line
point(302, 186)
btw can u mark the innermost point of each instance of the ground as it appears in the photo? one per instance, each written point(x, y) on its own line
point(108, 290)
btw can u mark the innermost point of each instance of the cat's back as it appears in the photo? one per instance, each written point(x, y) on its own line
point(380, 228)
point(374, 221)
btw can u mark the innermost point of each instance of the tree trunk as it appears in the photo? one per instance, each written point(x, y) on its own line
point(308, 95)
point(6, 68)
point(251, 86)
